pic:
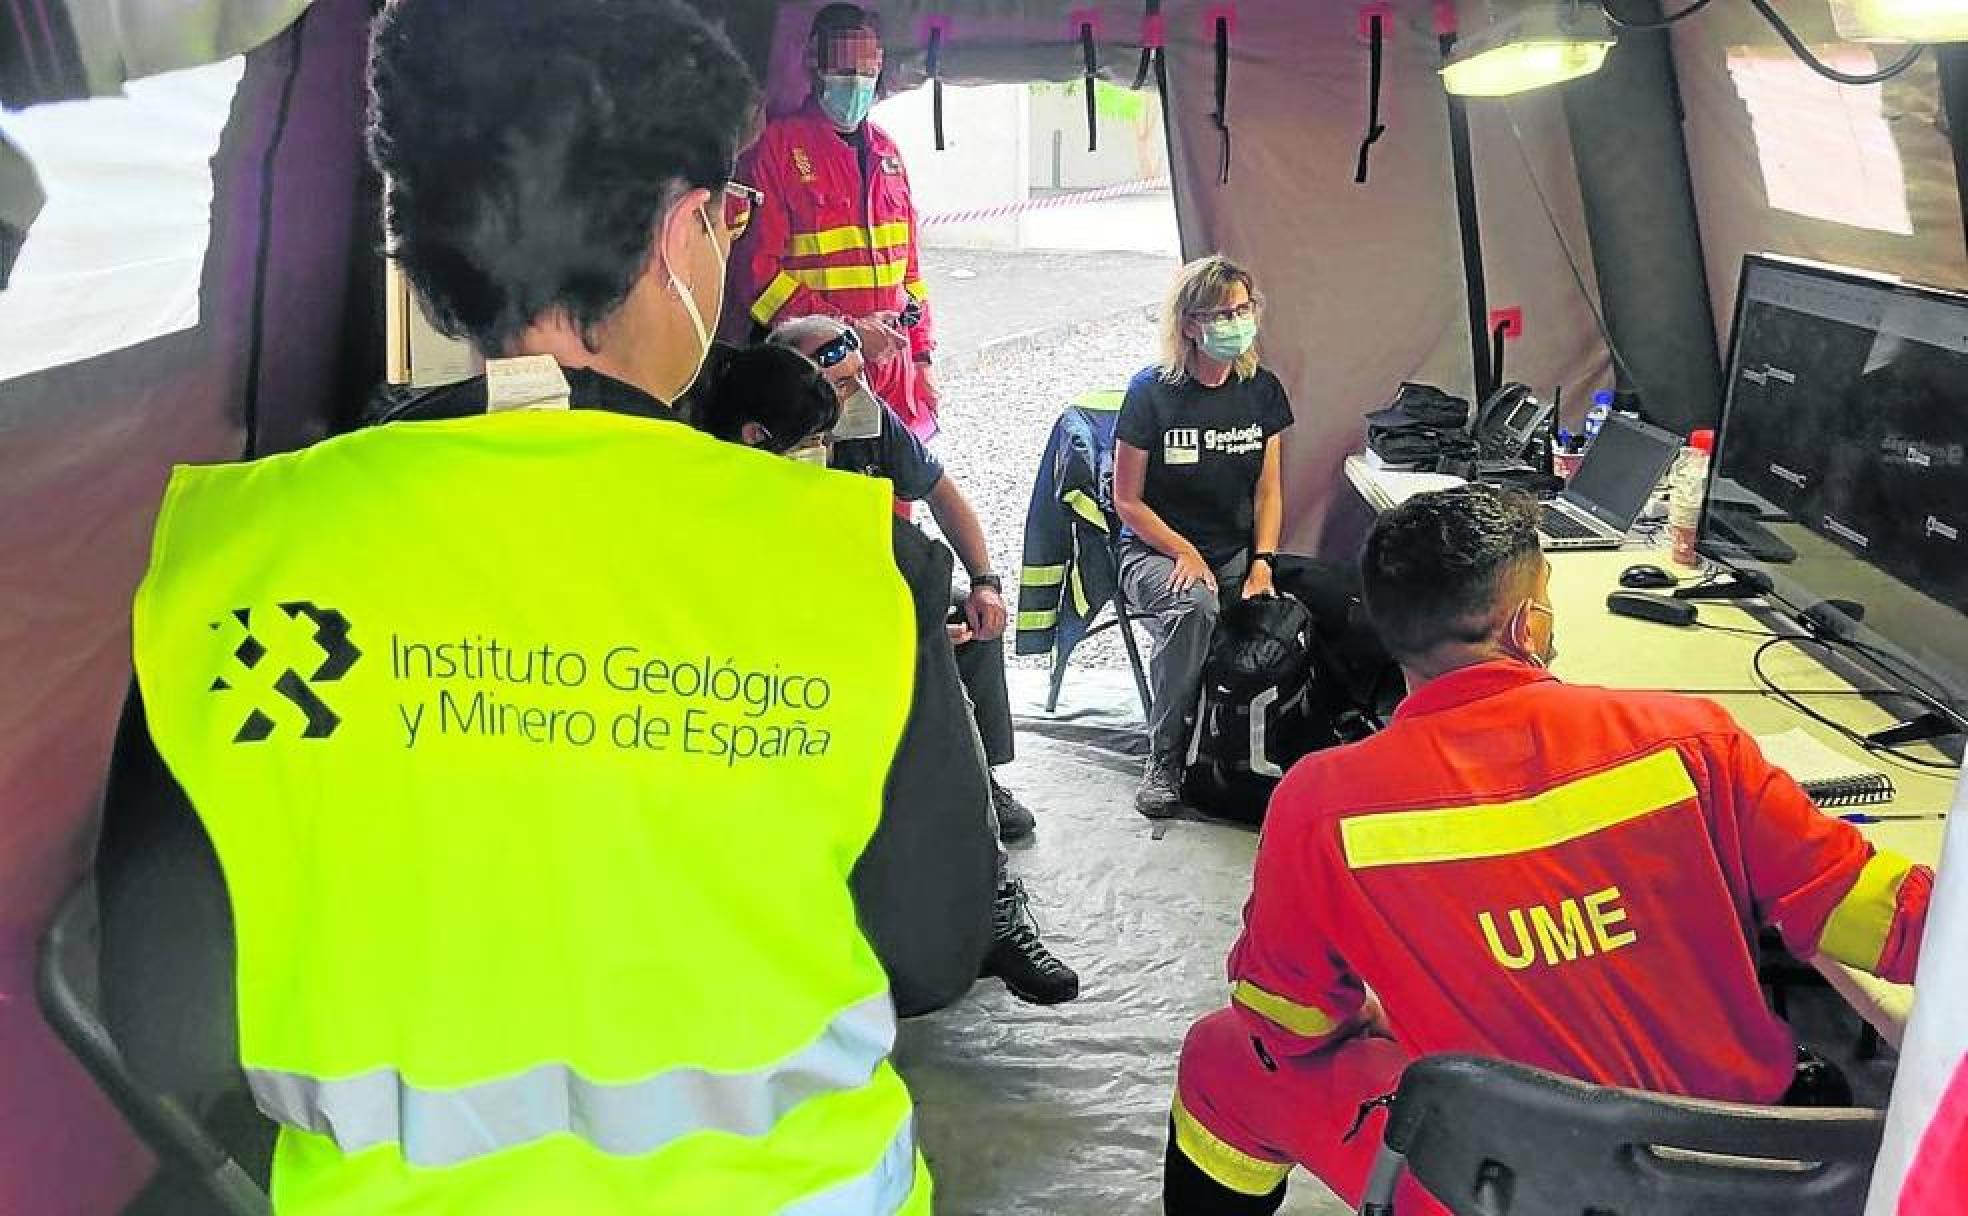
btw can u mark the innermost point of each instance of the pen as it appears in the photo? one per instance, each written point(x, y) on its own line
point(1891, 817)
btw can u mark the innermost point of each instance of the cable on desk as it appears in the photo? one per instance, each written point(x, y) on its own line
point(1847, 733)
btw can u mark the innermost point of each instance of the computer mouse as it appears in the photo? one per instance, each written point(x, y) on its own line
point(1646, 576)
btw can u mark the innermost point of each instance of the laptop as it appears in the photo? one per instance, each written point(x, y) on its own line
point(1613, 484)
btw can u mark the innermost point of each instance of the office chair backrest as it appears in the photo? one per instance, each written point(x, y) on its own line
point(1492, 1138)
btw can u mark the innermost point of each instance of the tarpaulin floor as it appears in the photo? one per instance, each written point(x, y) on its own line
point(1063, 1110)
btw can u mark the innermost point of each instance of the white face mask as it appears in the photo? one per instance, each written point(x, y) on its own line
point(861, 414)
point(813, 454)
point(690, 302)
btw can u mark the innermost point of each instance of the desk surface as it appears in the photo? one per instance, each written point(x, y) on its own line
point(1596, 647)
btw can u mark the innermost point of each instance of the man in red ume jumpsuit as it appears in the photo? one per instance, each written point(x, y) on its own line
point(1566, 876)
point(836, 233)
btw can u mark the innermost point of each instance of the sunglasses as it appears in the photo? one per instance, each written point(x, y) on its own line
point(838, 349)
point(739, 202)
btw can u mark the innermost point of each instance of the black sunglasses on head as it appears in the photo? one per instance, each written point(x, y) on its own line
point(838, 349)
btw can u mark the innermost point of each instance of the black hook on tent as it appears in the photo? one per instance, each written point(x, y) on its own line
point(1221, 17)
point(932, 64)
point(1091, 59)
point(1152, 37)
point(1374, 15)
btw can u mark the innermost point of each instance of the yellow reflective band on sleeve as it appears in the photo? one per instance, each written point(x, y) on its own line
point(916, 288)
point(1580, 808)
point(1241, 1172)
point(1034, 622)
point(1303, 1020)
point(1042, 576)
point(896, 232)
point(1080, 604)
point(848, 278)
point(1087, 509)
point(773, 298)
point(1856, 931)
point(831, 240)
point(1101, 400)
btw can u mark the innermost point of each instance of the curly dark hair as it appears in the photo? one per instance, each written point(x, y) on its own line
point(531, 147)
point(1434, 567)
point(774, 386)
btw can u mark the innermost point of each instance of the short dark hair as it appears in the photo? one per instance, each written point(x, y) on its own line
point(531, 147)
point(774, 386)
point(843, 19)
point(1434, 567)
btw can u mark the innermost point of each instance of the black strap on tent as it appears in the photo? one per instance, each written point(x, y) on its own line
point(1375, 44)
point(1091, 59)
point(932, 63)
point(1472, 239)
point(1151, 43)
point(1497, 337)
point(1221, 116)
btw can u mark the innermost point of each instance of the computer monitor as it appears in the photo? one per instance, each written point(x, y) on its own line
point(1841, 465)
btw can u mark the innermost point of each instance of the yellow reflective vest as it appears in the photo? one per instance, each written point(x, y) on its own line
point(536, 749)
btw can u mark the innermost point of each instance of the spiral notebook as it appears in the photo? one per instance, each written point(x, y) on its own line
point(1828, 777)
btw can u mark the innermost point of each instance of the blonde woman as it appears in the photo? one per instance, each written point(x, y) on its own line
point(1197, 485)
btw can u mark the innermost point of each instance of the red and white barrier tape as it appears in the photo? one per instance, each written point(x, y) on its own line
point(976, 214)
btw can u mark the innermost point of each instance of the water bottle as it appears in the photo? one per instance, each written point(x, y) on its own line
point(1602, 405)
point(1688, 486)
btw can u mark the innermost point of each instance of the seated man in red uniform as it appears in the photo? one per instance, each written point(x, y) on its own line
point(1566, 876)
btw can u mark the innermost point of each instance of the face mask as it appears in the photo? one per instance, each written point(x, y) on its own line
point(690, 303)
point(861, 415)
point(813, 453)
point(847, 99)
point(1229, 339)
point(1550, 652)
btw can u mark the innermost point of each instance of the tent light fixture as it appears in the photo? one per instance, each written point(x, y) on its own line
point(1543, 44)
point(1901, 20)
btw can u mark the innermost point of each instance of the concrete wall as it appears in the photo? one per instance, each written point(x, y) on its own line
point(985, 161)
point(1131, 145)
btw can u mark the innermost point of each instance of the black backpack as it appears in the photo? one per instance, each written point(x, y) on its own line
point(1287, 675)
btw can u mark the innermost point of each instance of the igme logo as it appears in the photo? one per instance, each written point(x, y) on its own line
point(333, 654)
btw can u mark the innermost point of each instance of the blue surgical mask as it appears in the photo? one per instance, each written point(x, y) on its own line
point(847, 99)
point(1228, 339)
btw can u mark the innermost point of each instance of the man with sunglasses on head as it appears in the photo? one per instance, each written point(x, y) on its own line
point(478, 815)
point(835, 234)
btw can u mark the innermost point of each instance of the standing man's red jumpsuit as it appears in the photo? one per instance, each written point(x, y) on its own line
point(1567, 876)
point(836, 234)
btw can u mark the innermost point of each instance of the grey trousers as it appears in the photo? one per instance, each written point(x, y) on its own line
point(1181, 626)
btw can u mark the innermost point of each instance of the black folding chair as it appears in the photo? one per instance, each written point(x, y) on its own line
point(67, 983)
point(1491, 1138)
point(1121, 618)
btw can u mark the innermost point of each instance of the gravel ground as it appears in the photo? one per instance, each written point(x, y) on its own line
point(1001, 398)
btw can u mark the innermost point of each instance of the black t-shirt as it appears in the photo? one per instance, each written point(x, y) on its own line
point(1205, 450)
point(895, 454)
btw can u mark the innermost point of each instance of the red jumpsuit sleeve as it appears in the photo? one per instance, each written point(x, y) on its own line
point(759, 282)
point(922, 339)
point(1287, 983)
point(1819, 880)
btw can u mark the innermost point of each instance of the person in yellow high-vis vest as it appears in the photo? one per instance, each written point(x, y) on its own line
point(545, 842)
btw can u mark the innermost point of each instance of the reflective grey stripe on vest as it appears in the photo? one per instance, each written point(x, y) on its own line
point(880, 1192)
point(438, 1127)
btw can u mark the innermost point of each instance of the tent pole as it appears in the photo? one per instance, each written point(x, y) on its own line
point(1472, 238)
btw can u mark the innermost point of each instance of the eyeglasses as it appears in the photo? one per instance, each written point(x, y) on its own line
point(838, 349)
point(1242, 312)
point(739, 202)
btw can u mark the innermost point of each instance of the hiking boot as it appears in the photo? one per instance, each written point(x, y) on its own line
point(1019, 958)
point(1015, 819)
point(1160, 796)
